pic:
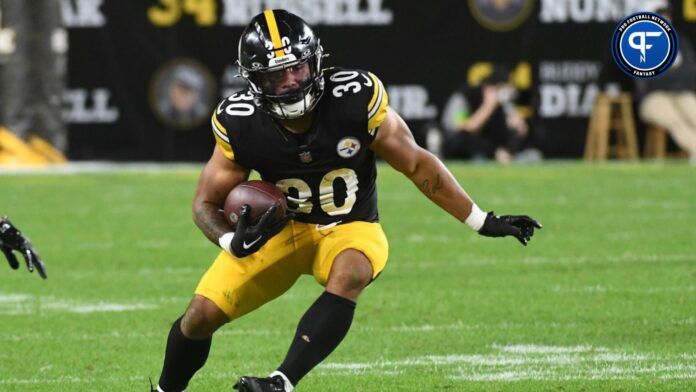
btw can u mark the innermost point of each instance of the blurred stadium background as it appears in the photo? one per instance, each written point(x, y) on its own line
point(603, 299)
point(103, 80)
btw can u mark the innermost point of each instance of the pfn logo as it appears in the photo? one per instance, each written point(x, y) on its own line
point(644, 45)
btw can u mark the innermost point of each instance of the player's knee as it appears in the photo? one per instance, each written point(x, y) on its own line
point(351, 271)
point(202, 319)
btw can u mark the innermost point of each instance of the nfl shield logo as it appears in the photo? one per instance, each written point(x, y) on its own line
point(348, 147)
point(305, 157)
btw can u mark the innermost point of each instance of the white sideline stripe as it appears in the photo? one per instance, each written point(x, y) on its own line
point(105, 167)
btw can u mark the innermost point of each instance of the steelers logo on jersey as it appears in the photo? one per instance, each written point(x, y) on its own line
point(348, 147)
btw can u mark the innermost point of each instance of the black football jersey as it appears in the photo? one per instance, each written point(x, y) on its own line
point(327, 173)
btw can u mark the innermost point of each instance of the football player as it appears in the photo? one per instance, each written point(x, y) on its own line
point(12, 240)
point(313, 132)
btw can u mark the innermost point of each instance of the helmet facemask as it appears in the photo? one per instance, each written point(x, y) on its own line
point(288, 104)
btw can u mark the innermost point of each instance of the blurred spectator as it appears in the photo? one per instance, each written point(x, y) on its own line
point(183, 103)
point(483, 123)
point(669, 100)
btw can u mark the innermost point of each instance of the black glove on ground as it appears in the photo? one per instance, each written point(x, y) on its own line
point(12, 240)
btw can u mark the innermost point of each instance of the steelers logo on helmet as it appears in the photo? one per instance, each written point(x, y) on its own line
point(644, 45)
point(280, 58)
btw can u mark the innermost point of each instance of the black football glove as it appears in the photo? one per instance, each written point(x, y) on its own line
point(12, 240)
point(248, 239)
point(519, 226)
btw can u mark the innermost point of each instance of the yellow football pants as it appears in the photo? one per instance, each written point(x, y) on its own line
point(239, 286)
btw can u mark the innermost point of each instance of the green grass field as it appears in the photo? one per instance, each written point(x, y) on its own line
point(604, 297)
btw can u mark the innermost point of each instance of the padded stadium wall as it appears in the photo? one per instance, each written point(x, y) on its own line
point(126, 55)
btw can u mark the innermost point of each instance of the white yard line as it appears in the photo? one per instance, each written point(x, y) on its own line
point(232, 330)
point(491, 360)
point(21, 304)
point(98, 307)
point(541, 349)
point(541, 260)
point(13, 298)
point(653, 258)
point(533, 362)
point(601, 289)
point(59, 380)
point(611, 373)
point(111, 379)
point(537, 375)
point(507, 363)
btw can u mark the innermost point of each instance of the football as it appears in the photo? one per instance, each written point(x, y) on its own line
point(260, 196)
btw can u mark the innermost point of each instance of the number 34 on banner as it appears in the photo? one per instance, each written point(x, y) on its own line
point(168, 12)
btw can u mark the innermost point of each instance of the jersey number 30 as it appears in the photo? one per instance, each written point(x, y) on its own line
point(327, 193)
point(353, 87)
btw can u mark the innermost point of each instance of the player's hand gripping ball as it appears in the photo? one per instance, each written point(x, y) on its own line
point(260, 196)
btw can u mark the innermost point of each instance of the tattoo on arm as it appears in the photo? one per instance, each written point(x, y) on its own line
point(211, 222)
point(429, 190)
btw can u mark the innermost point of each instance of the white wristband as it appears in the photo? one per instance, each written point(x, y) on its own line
point(225, 241)
point(476, 218)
